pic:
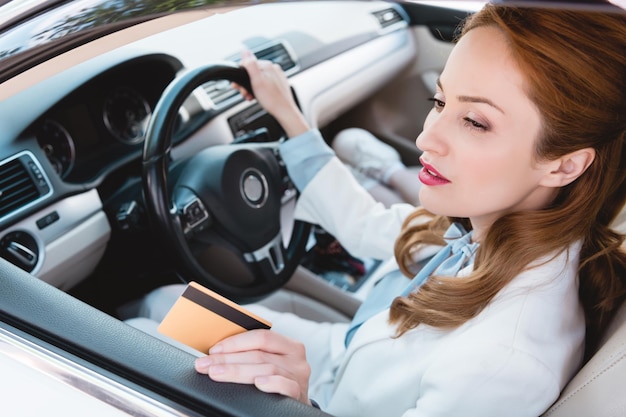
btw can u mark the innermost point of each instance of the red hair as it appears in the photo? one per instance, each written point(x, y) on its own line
point(574, 64)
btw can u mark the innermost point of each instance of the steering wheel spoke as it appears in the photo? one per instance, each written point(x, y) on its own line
point(235, 191)
point(191, 211)
point(273, 252)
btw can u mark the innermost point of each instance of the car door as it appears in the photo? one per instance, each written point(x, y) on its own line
point(397, 111)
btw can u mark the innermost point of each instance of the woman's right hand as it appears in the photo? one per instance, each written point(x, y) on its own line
point(272, 91)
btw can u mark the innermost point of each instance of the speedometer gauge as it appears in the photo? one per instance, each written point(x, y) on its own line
point(58, 146)
point(126, 114)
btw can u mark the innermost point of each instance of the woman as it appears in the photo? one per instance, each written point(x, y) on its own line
point(525, 149)
point(377, 166)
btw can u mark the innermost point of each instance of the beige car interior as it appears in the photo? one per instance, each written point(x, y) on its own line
point(599, 387)
point(598, 390)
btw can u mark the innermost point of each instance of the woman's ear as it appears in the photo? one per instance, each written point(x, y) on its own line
point(567, 168)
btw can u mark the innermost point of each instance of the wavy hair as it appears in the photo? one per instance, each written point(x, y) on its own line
point(574, 63)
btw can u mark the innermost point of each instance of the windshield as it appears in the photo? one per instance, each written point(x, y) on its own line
point(11, 9)
point(33, 23)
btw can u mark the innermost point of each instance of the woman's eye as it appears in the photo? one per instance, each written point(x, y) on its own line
point(437, 104)
point(473, 124)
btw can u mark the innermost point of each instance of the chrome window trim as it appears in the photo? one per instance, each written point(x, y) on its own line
point(83, 379)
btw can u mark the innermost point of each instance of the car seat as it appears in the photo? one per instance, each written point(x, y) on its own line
point(599, 388)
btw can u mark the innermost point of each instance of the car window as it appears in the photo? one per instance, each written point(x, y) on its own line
point(72, 23)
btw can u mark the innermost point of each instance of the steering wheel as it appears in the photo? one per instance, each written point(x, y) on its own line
point(221, 219)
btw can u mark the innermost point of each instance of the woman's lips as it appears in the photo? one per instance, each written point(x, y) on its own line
point(429, 175)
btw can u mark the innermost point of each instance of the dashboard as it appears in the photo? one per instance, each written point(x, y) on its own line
point(77, 122)
point(103, 123)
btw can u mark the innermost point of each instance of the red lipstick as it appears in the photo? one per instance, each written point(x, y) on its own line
point(428, 175)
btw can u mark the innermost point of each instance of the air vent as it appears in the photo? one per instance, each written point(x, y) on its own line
point(21, 183)
point(220, 93)
point(278, 54)
point(388, 17)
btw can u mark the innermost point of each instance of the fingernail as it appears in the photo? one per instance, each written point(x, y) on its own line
point(216, 349)
point(204, 362)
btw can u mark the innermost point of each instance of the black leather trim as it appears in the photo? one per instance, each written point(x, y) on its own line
point(132, 357)
point(442, 22)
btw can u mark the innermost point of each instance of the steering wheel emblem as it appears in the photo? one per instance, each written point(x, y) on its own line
point(254, 188)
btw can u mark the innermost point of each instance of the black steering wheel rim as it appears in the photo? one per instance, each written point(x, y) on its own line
point(162, 211)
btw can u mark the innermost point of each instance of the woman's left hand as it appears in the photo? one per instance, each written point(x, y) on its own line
point(272, 362)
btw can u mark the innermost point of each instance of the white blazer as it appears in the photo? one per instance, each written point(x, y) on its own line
point(511, 360)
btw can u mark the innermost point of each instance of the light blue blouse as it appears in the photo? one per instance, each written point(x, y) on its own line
point(304, 156)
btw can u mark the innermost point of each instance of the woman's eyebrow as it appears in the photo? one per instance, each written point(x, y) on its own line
point(474, 99)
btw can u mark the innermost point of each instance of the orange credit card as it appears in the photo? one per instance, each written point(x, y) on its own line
point(200, 318)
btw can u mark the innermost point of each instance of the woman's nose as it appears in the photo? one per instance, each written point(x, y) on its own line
point(432, 137)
